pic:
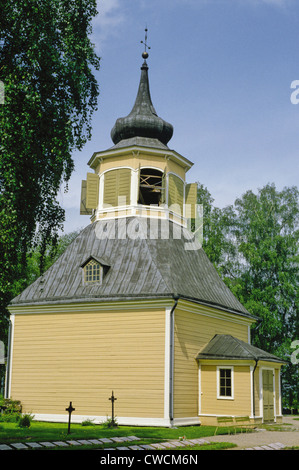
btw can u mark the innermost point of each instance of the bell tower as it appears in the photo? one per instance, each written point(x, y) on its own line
point(139, 175)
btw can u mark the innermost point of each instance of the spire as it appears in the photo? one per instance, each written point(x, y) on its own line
point(143, 120)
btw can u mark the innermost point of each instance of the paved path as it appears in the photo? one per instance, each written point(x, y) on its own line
point(288, 438)
point(125, 443)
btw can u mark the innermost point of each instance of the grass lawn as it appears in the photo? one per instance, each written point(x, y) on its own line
point(42, 431)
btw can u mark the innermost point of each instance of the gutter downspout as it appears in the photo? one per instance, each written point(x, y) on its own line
point(171, 356)
point(259, 322)
point(253, 384)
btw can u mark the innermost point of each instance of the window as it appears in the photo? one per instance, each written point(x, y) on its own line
point(92, 272)
point(225, 382)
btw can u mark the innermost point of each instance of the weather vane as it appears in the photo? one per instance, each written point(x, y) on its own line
point(146, 46)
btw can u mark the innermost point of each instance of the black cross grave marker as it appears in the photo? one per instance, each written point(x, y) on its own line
point(112, 399)
point(70, 409)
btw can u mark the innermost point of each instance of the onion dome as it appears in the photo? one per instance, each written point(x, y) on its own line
point(143, 120)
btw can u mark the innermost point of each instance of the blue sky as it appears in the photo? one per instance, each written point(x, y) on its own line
point(220, 72)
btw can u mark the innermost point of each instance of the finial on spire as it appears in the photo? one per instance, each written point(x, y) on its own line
point(146, 46)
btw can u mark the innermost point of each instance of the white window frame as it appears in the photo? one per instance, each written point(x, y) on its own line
point(221, 397)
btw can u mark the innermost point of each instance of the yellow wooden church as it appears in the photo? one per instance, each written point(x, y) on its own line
point(134, 305)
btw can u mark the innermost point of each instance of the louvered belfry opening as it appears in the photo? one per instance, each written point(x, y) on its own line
point(150, 187)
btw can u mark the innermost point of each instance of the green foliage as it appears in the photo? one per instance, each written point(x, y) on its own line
point(110, 423)
point(10, 417)
point(87, 422)
point(25, 420)
point(46, 63)
point(217, 226)
point(10, 406)
point(267, 233)
point(10, 410)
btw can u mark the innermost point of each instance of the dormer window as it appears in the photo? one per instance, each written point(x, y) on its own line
point(93, 271)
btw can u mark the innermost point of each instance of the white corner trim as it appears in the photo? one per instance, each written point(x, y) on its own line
point(251, 390)
point(9, 371)
point(167, 363)
point(199, 389)
point(101, 193)
point(134, 187)
point(279, 391)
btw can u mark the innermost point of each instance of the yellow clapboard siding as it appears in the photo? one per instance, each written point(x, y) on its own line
point(192, 332)
point(82, 357)
point(173, 167)
point(240, 405)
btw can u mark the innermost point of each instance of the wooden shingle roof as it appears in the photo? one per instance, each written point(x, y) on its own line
point(147, 258)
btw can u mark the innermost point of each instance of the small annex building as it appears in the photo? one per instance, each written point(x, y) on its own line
point(135, 306)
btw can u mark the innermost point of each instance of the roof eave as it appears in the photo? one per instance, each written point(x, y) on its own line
point(154, 151)
point(149, 296)
point(204, 357)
